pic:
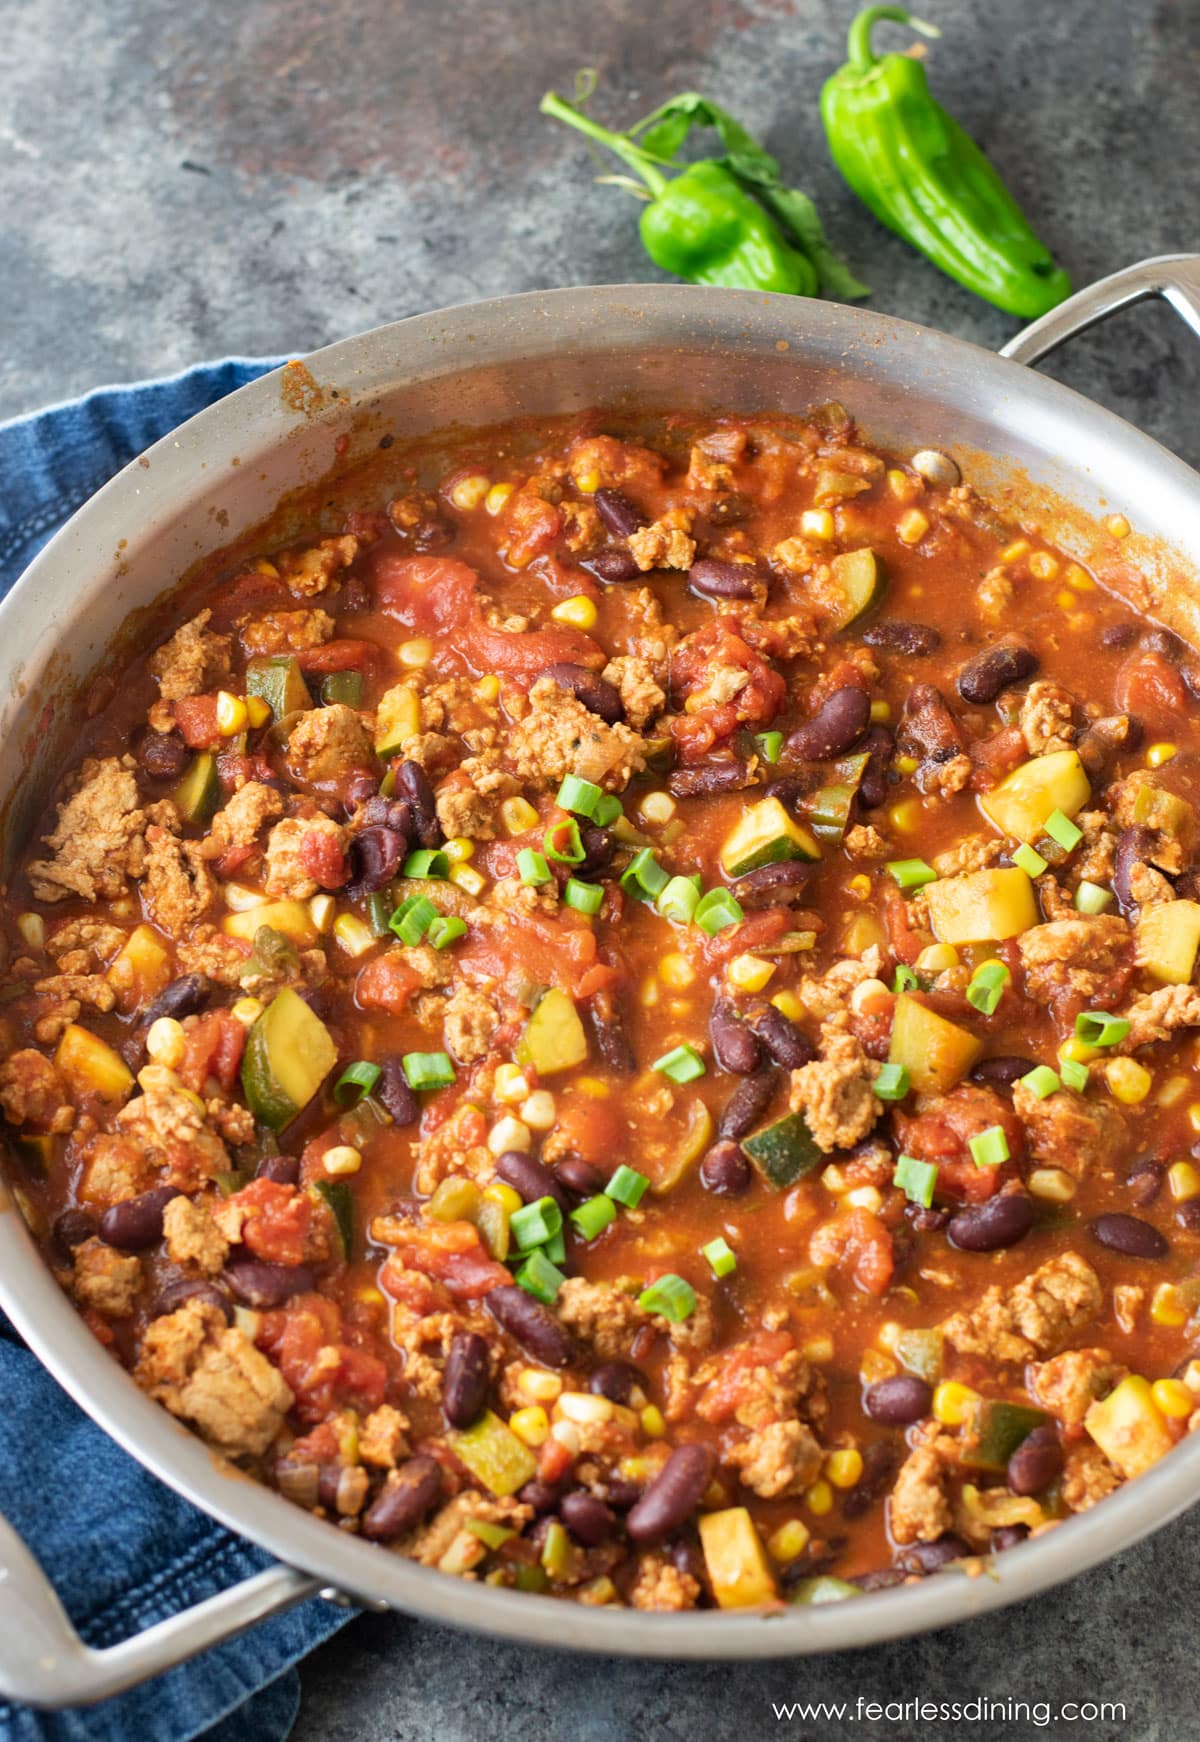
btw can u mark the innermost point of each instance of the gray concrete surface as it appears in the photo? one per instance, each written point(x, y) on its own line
point(253, 176)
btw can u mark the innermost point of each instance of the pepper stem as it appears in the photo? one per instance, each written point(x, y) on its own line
point(862, 56)
point(639, 161)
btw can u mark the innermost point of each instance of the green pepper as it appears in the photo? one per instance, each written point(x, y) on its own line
point(922, 176)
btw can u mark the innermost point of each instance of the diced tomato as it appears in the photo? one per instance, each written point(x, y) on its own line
point(943, 1136)
point(754, 932)
point(322, 857)
point(529, 525)
point(196, 717)
point(705, 723)
point(549, 949)
point(997, 756)
point(588, 1127)
point(1151, 688)
point(554, 1460)
point(453, 1254)
point(367, 525)
point(214, 1048)
point(732, 1388)
point(230, 863)
point(338, 656)
point(905, 944)
point(857, 1242)
point(304, 1341)
point(278, 1220)
point(387, 983)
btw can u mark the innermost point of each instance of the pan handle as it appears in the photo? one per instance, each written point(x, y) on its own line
point(44, 1663)
point(1174, 277)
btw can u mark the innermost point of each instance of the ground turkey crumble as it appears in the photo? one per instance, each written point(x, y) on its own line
point(210, 1374)
point(1035, 1318)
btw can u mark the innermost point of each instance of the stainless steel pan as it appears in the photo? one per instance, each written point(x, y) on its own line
point(218, 477)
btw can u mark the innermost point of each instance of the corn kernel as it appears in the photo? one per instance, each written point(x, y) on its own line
point(653, 1425)
point(906, 816)
point(860, 885)
point(1078, 1050)
point(369, 1295)
point(506, 1196)
point(1184, 1181)
point(1193, 1116)
point(1015, 551)
point(518, 816)
point(749, 973)
point(469, 492)
point(247, 1011)
point(903, 487)
point(509, 1133)
point(833, 1178)
point(247, 1322)
point(459, 849)
point(819, 1498)
point(1173, 1398)
point(531, 1425)
point(888, 1334)
point(488, 687)
point(818, 1350)
point(32, 928)
point(789, 1542)
point(232, 716)
point(1052, 1184)
point(538, 1110)
point(1118, 526)
point(263, 567)
point(1157, 754)
point(239, 899)
point(1173, 1091)
point(343, 1158)
point(906, 765)
point(258, 711)
point(1127, 1080)
point(322, 909)
point(1168, 1307)
point(466, 877)
point(588, 482)
point(676, 971)
point(952, 1402)
point(1079, 579)
point(936, 958)
point(791, 1005)
point(1191, 1376)
point(881, 711)
point(415, 653)
point(496, 497)
point(510, 1083)
point(584, 1409)
point(1043, 566)
point(1066, 600)
point(865, 1198)
point(817, 523)
point(353, 934)
point(912, 526)
point(657, 807)
point(579, 612)
point(538, 1385)
point(568, 1436)
point(844, 1468)
point(594, 1087)
point(166, 1042)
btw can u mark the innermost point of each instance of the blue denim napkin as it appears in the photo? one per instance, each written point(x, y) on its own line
point(122, 1550)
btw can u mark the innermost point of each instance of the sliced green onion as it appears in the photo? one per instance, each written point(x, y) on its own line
point(1074, 1074)
point(413, 918)
point(534, 1224)
point(679, 898)
point(892, 1082)
point(912, 873)
point(427, 1070)
point(555, 1248)
point(380, 906)
point(594, 1215)
point(583, 897)
point(494, 1535)
point(770, 745)
point(916, 1179)
point(356, 1083)
point(1099, 1028)
point(682, 1064)
point(671, 1297)
point(532, 868)
point(627, 1187)
point(445, 929)
point(989, 1148)
point(427, 863)
point(987, 986)
point(606, 810)
point(644, 877)
point(1060, 828)
point(1041, 1081)
point(904, 980)
point(1029, 860)
point(721, 1256)
point(1092, 897)
point(578, 795)
point(540, 1278)
point(716, 910)
point(562, 842)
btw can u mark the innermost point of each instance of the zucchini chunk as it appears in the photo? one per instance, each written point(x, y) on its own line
point(1129, 1427)
point(280, 683)
point(995, 1430)
point(982, 906)
point(92, 1065)
point(289, 1053)
point(1021, 803)
point(493, 1454)
point(1168, 937)
point(936, 1053)
point(397, 717)
point(199, 791)
point(737, 1563)
point(861, 578)
point(336, 1194)
point(784, 1152)
point(554, 1038)
point(766, 834)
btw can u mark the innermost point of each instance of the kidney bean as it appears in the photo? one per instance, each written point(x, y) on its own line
point(725, 1170)
point(791, 790)
point(597, 696)
point(1188, 1216)
point(930, 1557)
point(164, 755)
point(715, 776)
point(466, 1378)
point(1134, 845)
point(1002, 1071)
point(544, 1497)
point(138, 1222)
point(259, 1284)
point(898, 1401)
point(618, 512)
point(1145, 1182)
point(718, 580)
point(1130, 1236)
point(598, 845)
point(879, 746)
point(579, 1176)
point(614, 566)
point(1036, 1462)
point(175, 1293)
point(915, 640)
point(1008, 1536)
point(929, 723)
point(1102, 742)
point(614, 1380)
point(990, 1226)
point(608, 1026)
point(1118, 635)
point(186, 996)
point(529, 1176)
point(835, 728)
point(688, 1557)
point(358, 791)
point(407, 1495)
point(412, 783)
point(734, 1046)
point(774, 885)
point(621, 1493)
point(393, 1091)
point(786, 1043)
point(879, 1463)
point(531, 1324)
point(995, 669)
point(284, 1169)
point(749, 1101)
point(589, 1520)
point(72, 1227)
point(375, 857)
point(882, 1579)
point(674, 1494)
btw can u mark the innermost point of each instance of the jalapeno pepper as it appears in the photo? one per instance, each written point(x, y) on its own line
point(922, 176)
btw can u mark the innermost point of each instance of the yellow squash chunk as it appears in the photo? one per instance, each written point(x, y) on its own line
point(493, 1454)
point(289, 1053)
point(936, 1053)
point(1129, 1427)
point(141, 970)
point(1168, 937)
point(737, 1563)
point(397, 717)
point(766, 834)
point(982, 907)
point(90, 1064)
point(1021, 803)
point(554, 1038)
point(292, 918)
